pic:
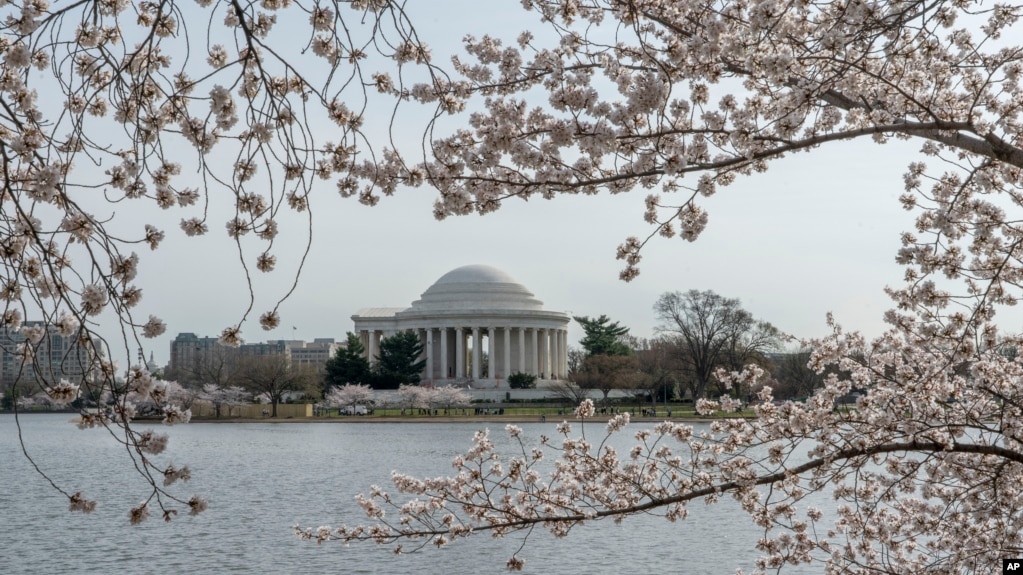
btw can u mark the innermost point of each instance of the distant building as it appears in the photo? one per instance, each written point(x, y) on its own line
point(278, 347)
point(55, 357)
point(188, 350)
point(314, 353)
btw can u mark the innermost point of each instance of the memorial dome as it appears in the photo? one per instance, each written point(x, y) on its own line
point(476, 273)
point(479, 287)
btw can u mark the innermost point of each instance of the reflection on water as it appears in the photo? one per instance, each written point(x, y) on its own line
point(261, 479)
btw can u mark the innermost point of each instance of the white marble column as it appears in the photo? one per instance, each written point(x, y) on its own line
point(556, 358)
point(564, 353)
point(443, 353)
point(491, 357)
point(535, 361)
point(459, 353)
point(429, 354)
point(554, 353)
point(371, 349)
point(476, 345)
point(545, 346)
point(507, 352)
point(522, 350)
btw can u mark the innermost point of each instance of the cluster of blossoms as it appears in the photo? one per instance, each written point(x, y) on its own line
point(349, 395)
point(79, 503)
point(172, 474)
point(63, 392)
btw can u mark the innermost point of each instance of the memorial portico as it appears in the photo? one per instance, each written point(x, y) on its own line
point(468, 311)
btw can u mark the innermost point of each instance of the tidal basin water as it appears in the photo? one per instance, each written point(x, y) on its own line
point(263, 478)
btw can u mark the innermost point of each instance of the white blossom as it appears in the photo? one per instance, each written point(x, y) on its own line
point(231, 336)
point(194, 226)
point(154, 327)
point(78, 503)
point(63, 392)
point(270, 320)
point(94, 299)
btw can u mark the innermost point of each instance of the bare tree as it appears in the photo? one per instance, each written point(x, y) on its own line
point(710, 331)
point(608, 372)
point(750, 342)
point(274, 376)
point(660, 366)
point(568, 392)
point(575, 358)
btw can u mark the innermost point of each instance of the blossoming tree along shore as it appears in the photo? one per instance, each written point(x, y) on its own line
point(349, 396)
point(102, 101)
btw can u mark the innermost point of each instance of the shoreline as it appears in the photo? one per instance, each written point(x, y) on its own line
point(419, 419)
point(601, 419)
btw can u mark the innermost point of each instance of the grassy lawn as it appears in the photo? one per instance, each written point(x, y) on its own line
point(525, 412)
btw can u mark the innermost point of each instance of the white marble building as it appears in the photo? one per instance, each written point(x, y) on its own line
point(470, 310)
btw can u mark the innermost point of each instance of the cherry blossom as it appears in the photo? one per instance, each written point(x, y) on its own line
point(349, 395)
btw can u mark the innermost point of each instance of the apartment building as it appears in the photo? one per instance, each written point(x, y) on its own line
point(55, 357)
point(188, 350)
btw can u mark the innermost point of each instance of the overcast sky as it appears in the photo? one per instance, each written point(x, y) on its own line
point(817, 233)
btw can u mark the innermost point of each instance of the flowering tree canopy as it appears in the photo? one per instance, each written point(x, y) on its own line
point(221, 397)
point(349, 395)
point(411, 397)
point(448, 397)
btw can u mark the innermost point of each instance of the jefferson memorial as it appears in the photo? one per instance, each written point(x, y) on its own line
point(468, 310)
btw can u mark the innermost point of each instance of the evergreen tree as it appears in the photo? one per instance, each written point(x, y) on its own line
point(349, 365)
point(603, 337)
point(400, 361)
